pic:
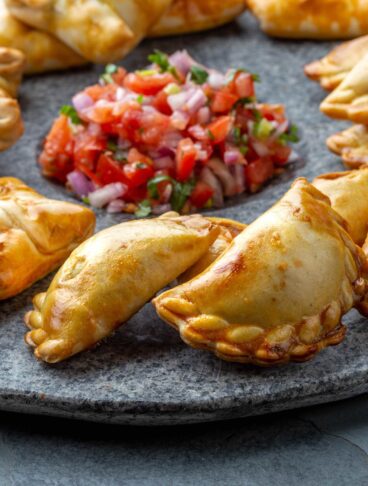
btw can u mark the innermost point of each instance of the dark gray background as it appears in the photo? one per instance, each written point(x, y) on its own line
point(144, 374)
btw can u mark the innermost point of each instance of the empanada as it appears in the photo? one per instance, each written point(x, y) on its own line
point(109, 278)
point(43, 52)
point(194, 15)
point(11, 70)
point(349, 101)
point(36, 234)
point(99, 30)
point(279, 291)
point(348, 193)
point(352, 145)
point(331, 70)
point(312, 19)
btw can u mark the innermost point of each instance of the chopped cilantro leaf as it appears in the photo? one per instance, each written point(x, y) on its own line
point(140, 99)
point(243, 149)
point(153, 183)
point(198, 75)
point(144, 209)
point(237, 134)
point(85, 199)
point(106, 77)
point(290, 136)
point(257, 115)
point(256, 78)
point(111, 69)
point(71, 113)
point(211, 135)
point(161, 59)
point(181, 192)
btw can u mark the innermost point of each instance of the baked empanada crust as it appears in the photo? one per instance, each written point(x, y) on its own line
point(99, 30)
point(352, 145)
point(193, 15)
point(331, 70)
point(109, 278)
point(43, 52)
point(312, 19)
point(278, 293)
point(348, 193)
point(349, 101)
point(40, 230)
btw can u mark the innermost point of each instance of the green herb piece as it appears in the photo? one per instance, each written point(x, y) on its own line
point(153, 183)
point(211, 135)
point(172, 89)
point(140, 99)
point(243, 149)
point(180, 194)
point(237, 134)
point(106, 77)
point(71, 113)
point(111, 145)
point(257, 115)
point(256, 78)
point(161, 59)
point(141, 130)
point(263, 129)
point(144, 209)
point(291, 136)
point(198, 75)
point(85, 199)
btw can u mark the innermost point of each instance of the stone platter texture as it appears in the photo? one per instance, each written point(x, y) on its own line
point(144, 374)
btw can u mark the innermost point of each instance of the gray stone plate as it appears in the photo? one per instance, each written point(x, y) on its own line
point(144, 374)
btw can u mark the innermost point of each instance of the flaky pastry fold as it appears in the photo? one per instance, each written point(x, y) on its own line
point(332, 69)
point(348, 193)
point(312, 19)
point(279, 292)
point(36, 234)
point(352, 145)
point(109, 278)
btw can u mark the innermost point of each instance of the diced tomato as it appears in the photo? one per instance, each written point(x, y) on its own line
point(223, 102)
point(258, 172)
point(161, 104)
point(99, 92)
point(119, 76)
point(56, 158)
point(281, 154)
point(138, 173)
point(201, 194)
point(135, 156)
point(272, 112)
point(109, 170)
point(148, 85)
point(186, 155)
point(219, 129)
point(87, 149)
point(101, 113)
point(244, 85)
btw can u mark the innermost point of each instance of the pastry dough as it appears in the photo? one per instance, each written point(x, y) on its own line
point(99, 30)
point(36, 234)
point(279, 291)
point(348, 193)
point(43, 52)
point(352, 145)
point(349, 101)
point(194, 15)
point(229, 229)
point(312, 19)
point(333, 68)
point(11, 70)
point(109, 278)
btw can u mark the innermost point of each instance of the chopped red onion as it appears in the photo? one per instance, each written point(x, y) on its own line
point(260, 148)
point(280, 129)
point(216, 80)
point(209, 178)
point(94, 129)
point(161, 209)
point(179, 120)
point(182, 61)
point(197, 100)
point(163, 163)
point(116, 206)
point(238, 172)
point(197, 132)
point(231, 156)
point(79, 183)
point(82, 101)
point(124, 144)
point(222, 172)
point(177, 101)
point(106, 194)
point(120, 94)
point(166, 195)
point(204, 115)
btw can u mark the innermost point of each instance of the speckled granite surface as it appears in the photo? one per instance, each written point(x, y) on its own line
point(144, 374)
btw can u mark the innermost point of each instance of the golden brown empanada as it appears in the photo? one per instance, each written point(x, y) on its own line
point(331, 70)
point(109, 278)
point(352, 145)
point(279, 291)
point(11, 69)
point(43, 52)
point(312, 19)
point(229, 229)
point(36, 234)
point(194, 15)
point(348, 193)
point(99, 30)
point(349, 101)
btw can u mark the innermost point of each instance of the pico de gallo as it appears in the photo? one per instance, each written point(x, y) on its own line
point(173, 136)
